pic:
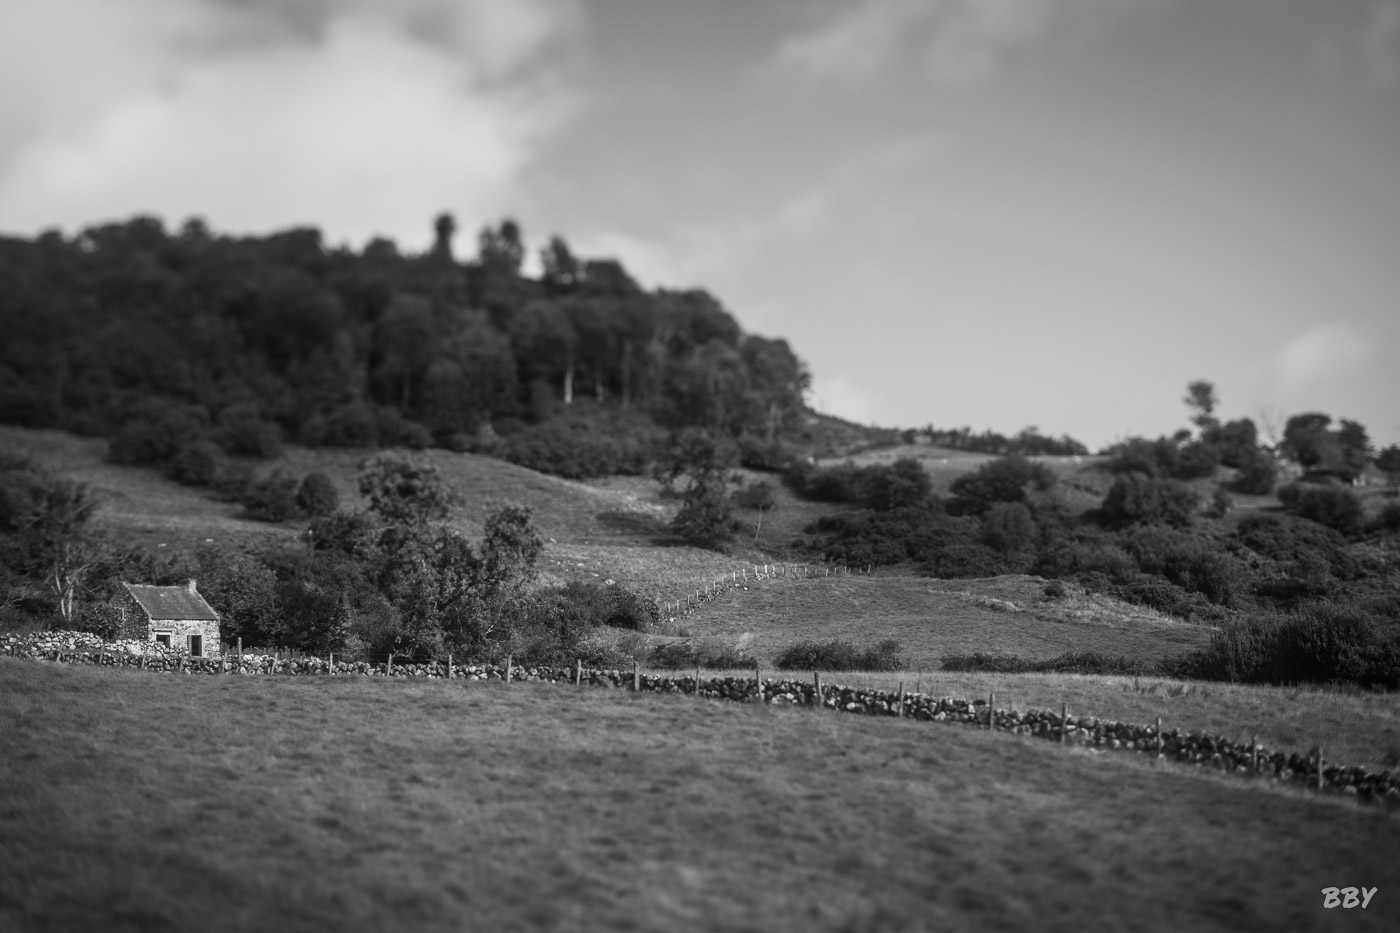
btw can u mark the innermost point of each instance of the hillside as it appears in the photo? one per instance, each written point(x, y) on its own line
point(934, 618)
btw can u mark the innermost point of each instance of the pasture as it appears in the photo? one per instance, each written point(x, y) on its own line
point(130, 801)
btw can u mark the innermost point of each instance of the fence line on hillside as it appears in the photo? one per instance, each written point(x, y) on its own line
point(1200, 749)
point(738, 580)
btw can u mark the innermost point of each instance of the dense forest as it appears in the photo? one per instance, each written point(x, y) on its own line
point(174, 345)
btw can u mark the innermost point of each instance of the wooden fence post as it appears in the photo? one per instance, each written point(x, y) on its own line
point(389, 666)
point(901, 700)
point(1254, 752)
point(240, 653)
point(991, 711)
point(510, 660)
point(102, 656)
point(636, 677)
point(1159, 740)
point(1064, 723)
point(143, 655)
point(330, 663)
point(1319, 767)
point(697, 678)
point(578, 672)
point(817, 684)
point(758, 683)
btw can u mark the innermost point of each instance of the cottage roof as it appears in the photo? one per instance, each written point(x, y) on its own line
point(172, 603)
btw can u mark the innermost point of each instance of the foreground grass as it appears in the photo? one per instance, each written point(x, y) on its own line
point(131, 801)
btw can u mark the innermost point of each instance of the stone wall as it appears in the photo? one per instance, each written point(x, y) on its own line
point(1198, 749)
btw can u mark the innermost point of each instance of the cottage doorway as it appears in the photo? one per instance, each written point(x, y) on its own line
point(196, 646)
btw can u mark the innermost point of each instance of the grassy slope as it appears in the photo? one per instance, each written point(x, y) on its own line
point(131, 802)
point(932, 618)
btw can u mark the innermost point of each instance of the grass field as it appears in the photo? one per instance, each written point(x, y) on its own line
point(932, 618)
point(137, 802)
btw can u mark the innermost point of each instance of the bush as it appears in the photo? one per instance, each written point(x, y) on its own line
point(1002, 480)
point(1257, 473)
point(758, 495)
point(196, 464)
point(1055, 590)
point(273, 498)
point(1135, 498)
point(243, 432)
point(1389, 517)
point(1009, 528)
point(960, 561)
point(583, 444)
point(1085, 662)
point(1335, 507)
point(1288, 539)
point(767, 456)
point(316, 496)
point(1320, 642)
point(838, 655)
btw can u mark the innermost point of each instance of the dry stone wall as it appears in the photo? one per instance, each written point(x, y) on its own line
point(1194, 748)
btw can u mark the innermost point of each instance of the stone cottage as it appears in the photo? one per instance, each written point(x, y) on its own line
point(177, 617)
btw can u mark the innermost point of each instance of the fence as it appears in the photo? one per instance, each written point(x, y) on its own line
point(1200, 749)
point(753, 573)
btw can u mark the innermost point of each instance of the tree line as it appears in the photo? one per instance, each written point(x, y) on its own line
point(189, 344)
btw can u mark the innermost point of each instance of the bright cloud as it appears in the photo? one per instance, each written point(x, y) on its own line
point(1318, 353)
point(365, 117)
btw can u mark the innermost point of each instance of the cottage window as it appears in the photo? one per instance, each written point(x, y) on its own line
point(196, 646)
point(163, 638)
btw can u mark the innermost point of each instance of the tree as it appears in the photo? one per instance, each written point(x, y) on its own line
point(706, 516)
point(511, 548)
point(404, 490)
point(46, 518)
point(1388, 462)
point(1306, 439)
point(1355, 447)
point(444, 228)
point(1201, 398)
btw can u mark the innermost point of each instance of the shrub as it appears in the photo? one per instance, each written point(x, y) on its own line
point(705, 519)
point(1257, 473)
point(1055, 590)
point(1389, 517)
point(838, 655)
point(1335, 507)
point(243, 432)
point(958, 561)
point(902, 483)
point(1008, 527)
point(1287, 539)
point(196, 464)
point(755, 496)
point(316, 496)
point(1085, 662)
point(1002, 480)
point(273, 498)
point(1318, 643)
point(768, 456)
point(1135, 498)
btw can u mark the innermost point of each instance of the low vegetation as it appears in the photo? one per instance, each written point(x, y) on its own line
point(359, 804)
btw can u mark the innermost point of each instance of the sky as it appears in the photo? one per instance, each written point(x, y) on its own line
point(994, 213)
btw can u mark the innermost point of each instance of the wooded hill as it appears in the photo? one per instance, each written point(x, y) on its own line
point(168, 341)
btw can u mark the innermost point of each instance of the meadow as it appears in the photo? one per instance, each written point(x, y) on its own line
point(130, 801)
